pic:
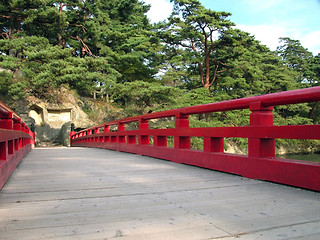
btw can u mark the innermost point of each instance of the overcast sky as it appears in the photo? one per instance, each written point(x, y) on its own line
point(267, 20)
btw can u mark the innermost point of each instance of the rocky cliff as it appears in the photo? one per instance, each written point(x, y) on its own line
point(52, 119)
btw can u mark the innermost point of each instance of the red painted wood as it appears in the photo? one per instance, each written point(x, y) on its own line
point(260, 163)
point(16, 140)
point(182, 142)
point(261, 147)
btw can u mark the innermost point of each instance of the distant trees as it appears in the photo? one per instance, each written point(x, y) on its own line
point(83, 44)
point(298, 58)
point(202, 48)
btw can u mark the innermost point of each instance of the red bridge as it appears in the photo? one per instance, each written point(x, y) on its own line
point(82, 193)
point(261, 134)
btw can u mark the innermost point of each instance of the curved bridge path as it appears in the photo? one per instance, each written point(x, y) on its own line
point(81, 193)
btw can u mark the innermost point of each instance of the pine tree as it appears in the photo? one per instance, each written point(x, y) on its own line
point(254, 69)
point(296, 57)
point(85, 44)
point(196, 29)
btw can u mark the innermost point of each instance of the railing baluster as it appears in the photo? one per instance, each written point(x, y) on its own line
point(143, 139)
point(106, 129)
point(16, 127)
point(182, 142)
point(261, 147)
point(121, 128)
point(7, 123)
point(213, 144)
point(160, 141)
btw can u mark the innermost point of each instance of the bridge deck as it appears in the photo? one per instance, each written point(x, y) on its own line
point(78, 193)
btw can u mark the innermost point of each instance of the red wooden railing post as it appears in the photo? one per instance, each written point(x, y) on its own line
point(182, 142)
point(131, 139)
point(26, 130)
point(21, 139)
point(106, 129)
point(96, 130)
point(143, 139)
point(17, 127)
point(121, 128)
point(213, 144)
point(160, 141)
point(8, 146)
point(33, 140)
point(261, 147)
point(23, 130)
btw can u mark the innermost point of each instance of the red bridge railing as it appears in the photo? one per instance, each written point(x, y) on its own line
point(16, 140)
point(260, 163)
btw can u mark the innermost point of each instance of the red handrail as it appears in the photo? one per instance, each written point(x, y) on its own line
point(260, 163)
point(16, 140)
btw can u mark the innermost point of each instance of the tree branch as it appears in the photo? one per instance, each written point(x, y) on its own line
point(5, 35)
point(79, 25)
point(216, 74)
point(85, 46)
point(10, 17)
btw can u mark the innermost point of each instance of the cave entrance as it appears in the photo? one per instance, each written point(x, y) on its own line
point(36, 113)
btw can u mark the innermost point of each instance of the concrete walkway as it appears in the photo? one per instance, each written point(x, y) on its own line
point(79, 193)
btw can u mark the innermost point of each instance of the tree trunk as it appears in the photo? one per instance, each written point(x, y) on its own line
point(206, 85)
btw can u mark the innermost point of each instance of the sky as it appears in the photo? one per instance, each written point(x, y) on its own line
point(267, 20)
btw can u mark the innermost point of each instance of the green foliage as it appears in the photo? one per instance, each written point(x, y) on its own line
point(18, 90)
point(86, 44)
point(45, 67)
point(198, 96)
point(254, 69)
point(5, 81)
point(297, 58)
point(140, 97)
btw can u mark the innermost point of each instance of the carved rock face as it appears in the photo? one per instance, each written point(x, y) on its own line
point(52, 121)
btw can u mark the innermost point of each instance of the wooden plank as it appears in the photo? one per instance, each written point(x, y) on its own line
point(77, 193)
